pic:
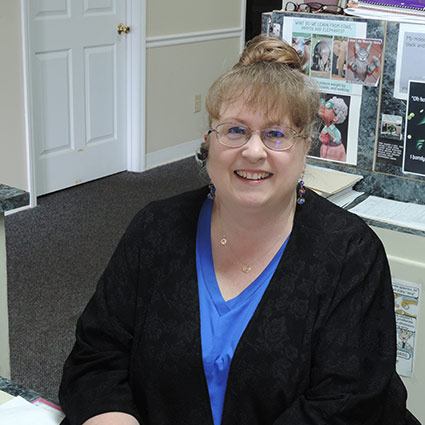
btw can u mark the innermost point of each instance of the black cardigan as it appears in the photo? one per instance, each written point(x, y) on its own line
point(319, 349)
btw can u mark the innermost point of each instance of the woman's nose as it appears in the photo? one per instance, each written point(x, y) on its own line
point(254, 149)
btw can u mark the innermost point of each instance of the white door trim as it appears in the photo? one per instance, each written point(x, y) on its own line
point(136, 91)
point(243, 24)
point(27, 103)
point(136, 86)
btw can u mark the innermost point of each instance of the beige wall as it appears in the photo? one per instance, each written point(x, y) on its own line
point(13, 160)
point(176, 73)
point(406, 257)
point(185, 16)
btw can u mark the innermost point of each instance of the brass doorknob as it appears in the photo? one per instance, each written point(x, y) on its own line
point(123, 29)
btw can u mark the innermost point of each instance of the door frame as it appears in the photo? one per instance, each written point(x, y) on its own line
point(136, 92)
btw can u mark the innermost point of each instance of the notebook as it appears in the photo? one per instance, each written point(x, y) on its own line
point(406, 6)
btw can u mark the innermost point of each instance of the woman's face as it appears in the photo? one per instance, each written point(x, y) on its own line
point(326, 112)
point(254, 176)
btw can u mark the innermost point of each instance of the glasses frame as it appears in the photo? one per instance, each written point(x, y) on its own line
point(296, 135)
point(325, 102)
point(313, 7)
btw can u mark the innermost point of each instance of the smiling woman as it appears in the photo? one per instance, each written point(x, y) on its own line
point(251, 301)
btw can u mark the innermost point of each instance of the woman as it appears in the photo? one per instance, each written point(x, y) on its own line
point(251, 302)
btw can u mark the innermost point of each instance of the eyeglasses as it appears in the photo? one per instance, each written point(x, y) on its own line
point(313, 8)
point(328, 105)
point(275, 138)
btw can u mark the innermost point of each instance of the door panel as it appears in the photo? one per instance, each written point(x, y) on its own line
point(101, 119)
point(78, 84)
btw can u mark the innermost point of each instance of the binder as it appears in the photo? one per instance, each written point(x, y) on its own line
point(406, 6)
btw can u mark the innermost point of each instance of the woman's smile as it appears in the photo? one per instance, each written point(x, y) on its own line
point(253, 175)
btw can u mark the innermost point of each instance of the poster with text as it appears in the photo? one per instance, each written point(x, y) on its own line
point(414, 136)
point(410, 63)
point(322, 44)
point(406, 305)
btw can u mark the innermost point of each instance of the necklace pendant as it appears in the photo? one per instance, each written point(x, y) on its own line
point(223, 240)
point(246, 268)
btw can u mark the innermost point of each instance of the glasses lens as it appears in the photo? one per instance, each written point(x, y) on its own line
point(304, 7)
point(332, 9)
point(290, 6)
point(232, 135)
point(279, 138)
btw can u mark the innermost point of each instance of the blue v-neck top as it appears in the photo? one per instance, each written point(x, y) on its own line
point(222, 322)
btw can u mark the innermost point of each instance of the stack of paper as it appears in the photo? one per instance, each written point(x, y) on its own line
point(329, 182)
point(18, 411)
point(393, 212)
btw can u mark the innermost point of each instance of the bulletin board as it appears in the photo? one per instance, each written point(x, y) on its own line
point(376, 96)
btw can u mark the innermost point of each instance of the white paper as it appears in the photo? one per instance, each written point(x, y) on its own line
point(20, 412)
point(403, 214)
point(410, 62)
point(344, 198)
point(406, 305)
point(384, 14)
point(328, 181)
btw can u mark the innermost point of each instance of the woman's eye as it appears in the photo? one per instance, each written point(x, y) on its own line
point(236, 130)
point(274, 134)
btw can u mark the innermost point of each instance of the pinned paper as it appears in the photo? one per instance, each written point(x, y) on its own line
point(406, 303)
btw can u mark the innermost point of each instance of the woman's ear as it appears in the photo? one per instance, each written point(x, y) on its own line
point(307, 145)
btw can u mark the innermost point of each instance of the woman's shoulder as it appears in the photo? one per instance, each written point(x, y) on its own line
point(322, 217)
point(168, 214)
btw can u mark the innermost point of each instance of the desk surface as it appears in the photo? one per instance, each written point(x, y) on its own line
point(8, 390)
point(11, 198)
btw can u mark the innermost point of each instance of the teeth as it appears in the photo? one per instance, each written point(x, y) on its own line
point(253, 176)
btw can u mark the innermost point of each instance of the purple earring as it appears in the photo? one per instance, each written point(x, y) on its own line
point(301, 193)
point(211, 194)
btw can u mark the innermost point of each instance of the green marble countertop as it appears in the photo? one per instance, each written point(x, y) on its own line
point(11, 198)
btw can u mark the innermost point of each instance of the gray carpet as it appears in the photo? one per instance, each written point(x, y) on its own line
point(57, 251)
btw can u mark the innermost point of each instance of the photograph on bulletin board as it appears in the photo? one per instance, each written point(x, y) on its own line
point(391, 140)
point(364, 59)
point(414, 140)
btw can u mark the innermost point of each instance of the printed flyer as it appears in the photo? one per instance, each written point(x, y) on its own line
point(324, 46)
point(410, 63)
point(414, 138)
point(406, 305)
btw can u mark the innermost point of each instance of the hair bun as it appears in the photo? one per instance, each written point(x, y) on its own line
point(265, 48)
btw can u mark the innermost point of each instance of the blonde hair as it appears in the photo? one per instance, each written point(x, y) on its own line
point(269, 78)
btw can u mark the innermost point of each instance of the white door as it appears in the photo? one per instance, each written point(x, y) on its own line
point(77, 68)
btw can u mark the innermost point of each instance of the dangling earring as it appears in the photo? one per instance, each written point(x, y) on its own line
point(211, 193)
point(301, 193)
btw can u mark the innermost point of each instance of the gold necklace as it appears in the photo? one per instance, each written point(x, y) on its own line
point(246, 268)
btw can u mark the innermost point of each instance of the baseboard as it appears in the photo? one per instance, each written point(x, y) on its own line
point(174, 153)
point(16, 210)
